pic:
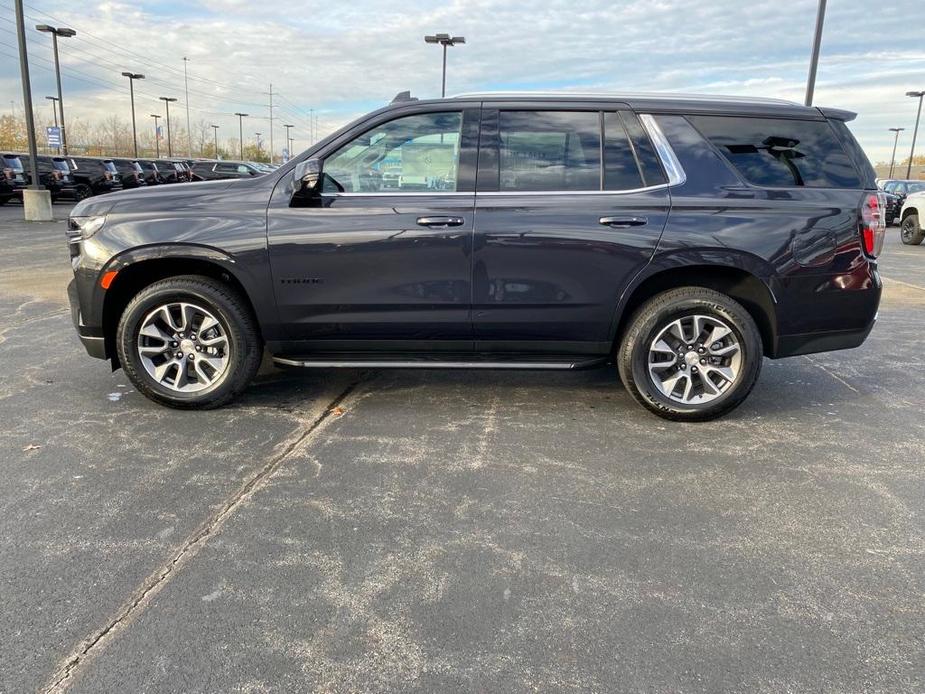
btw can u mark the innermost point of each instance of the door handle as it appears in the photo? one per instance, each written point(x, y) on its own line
point(623, 222)
point(441, 221)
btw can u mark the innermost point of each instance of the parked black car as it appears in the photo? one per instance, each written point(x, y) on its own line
point(54, 175)
point(683, 238)
point(898, 190)
point(213, 170)
point(94, 176)
point(150, 171)
point(12, 177)
point(172, 171)
point(133, 175)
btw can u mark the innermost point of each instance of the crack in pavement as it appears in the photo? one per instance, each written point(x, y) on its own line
point(93, 644)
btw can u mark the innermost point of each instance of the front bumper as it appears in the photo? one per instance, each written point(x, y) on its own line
point(94, 344)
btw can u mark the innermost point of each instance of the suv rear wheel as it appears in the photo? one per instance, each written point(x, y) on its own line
point(188, 342)
point(690, 354)
point(910, 232)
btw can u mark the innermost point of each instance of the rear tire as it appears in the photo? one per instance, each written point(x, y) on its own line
point(690, 354)
point(189, 342)
point(82, 191)
point(910, 232)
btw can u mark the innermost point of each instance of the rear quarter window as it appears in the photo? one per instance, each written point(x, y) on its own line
point(780, 152)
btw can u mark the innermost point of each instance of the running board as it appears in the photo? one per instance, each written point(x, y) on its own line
point(539, 362)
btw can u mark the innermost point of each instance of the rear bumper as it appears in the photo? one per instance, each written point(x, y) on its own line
point(95, 344)
point(810, 343)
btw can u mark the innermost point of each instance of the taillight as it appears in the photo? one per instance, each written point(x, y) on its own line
point(57, 175)
point(8, 173)
point(107, 175)
point(873, 223)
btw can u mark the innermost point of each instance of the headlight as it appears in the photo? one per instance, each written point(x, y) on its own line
point(85, 227)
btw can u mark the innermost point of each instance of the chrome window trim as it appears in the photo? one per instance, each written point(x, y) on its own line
point(676, 174)
point(495, 193)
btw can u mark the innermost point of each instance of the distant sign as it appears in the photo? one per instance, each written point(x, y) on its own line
point(53, 134)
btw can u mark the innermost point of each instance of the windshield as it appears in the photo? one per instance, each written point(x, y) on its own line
point(12, 162)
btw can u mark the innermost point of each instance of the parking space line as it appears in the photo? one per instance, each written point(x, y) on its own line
point(98, 640)
point(905, 284)
point(832, 374)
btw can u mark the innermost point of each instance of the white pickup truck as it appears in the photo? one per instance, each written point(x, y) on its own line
point(911, 217)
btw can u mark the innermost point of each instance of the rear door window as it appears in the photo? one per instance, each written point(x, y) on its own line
point(550, 150)
point(781, 153)
point(621, 166)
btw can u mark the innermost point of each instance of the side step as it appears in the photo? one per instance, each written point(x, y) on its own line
point(558, 362)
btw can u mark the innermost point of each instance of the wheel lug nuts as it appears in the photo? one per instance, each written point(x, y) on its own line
point(191, 356)
point(198, 348)
point(694, 369)
point(703, 361)
point(700, 350)
point(179, 355)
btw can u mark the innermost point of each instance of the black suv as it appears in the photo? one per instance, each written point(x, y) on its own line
point(12, 177)
point(132, 173)
point(897, 191)
point(212, 170)
point(681, 238)
point(171, 171)
point(54, 175)
point(94, 176)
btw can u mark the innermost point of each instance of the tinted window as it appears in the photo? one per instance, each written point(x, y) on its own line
point(620, 169)
point(649, 163)
point(916, 187)
point(414, 153)
point(225, 168)
point(781, 153)
point(550, 150)
point(12, 162)
point(61, 165)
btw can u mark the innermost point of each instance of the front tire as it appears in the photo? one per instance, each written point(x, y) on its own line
point(690, 354)
point(911, 233)
point(189, 342)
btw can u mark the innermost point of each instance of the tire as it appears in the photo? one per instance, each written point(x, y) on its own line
point(658, 323)
point(910, 232)
point(82, 191)
point(4, 201)
point(223, 363)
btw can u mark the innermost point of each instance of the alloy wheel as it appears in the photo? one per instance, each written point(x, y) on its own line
point(695, 359)
point(183, 347)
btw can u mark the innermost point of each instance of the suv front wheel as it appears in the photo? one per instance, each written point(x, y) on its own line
point(188, 342)
point(910, 232)
point(690, 354)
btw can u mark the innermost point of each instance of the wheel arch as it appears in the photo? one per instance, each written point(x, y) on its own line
point(745, 287)
point(135, 271)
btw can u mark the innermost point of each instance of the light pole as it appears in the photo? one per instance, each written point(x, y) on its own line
point(55, 33)
point(132, 76)
point(915, 131)
point(27, 101)
point(814, 59)
point(54, 107)
point(167, 100)
point(447, 40)
point(895, 141)
point(157, 135)
point(215, 139)
point(241, 117)
point(189, 131)
point(288, 139)
point(258, 145)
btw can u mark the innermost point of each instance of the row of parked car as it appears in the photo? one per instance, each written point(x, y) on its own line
point(905, 204)
point(79, 177)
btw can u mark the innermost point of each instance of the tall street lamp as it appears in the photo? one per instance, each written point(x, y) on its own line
point(167, 100)
point(132, 76)
point(241, 117)
point(258, 145)
point(157, 135)
point(895, 140)
point(814, 58)
point(445, 40)
point(215, 139)
point(65, 33)
point(189, 130)
point(915, 132)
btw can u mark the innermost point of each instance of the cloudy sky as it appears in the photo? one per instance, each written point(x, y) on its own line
point(338, 60)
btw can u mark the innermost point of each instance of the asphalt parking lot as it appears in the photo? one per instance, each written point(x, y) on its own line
point(456, 531)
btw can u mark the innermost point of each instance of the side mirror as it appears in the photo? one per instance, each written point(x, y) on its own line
point(308, 175)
